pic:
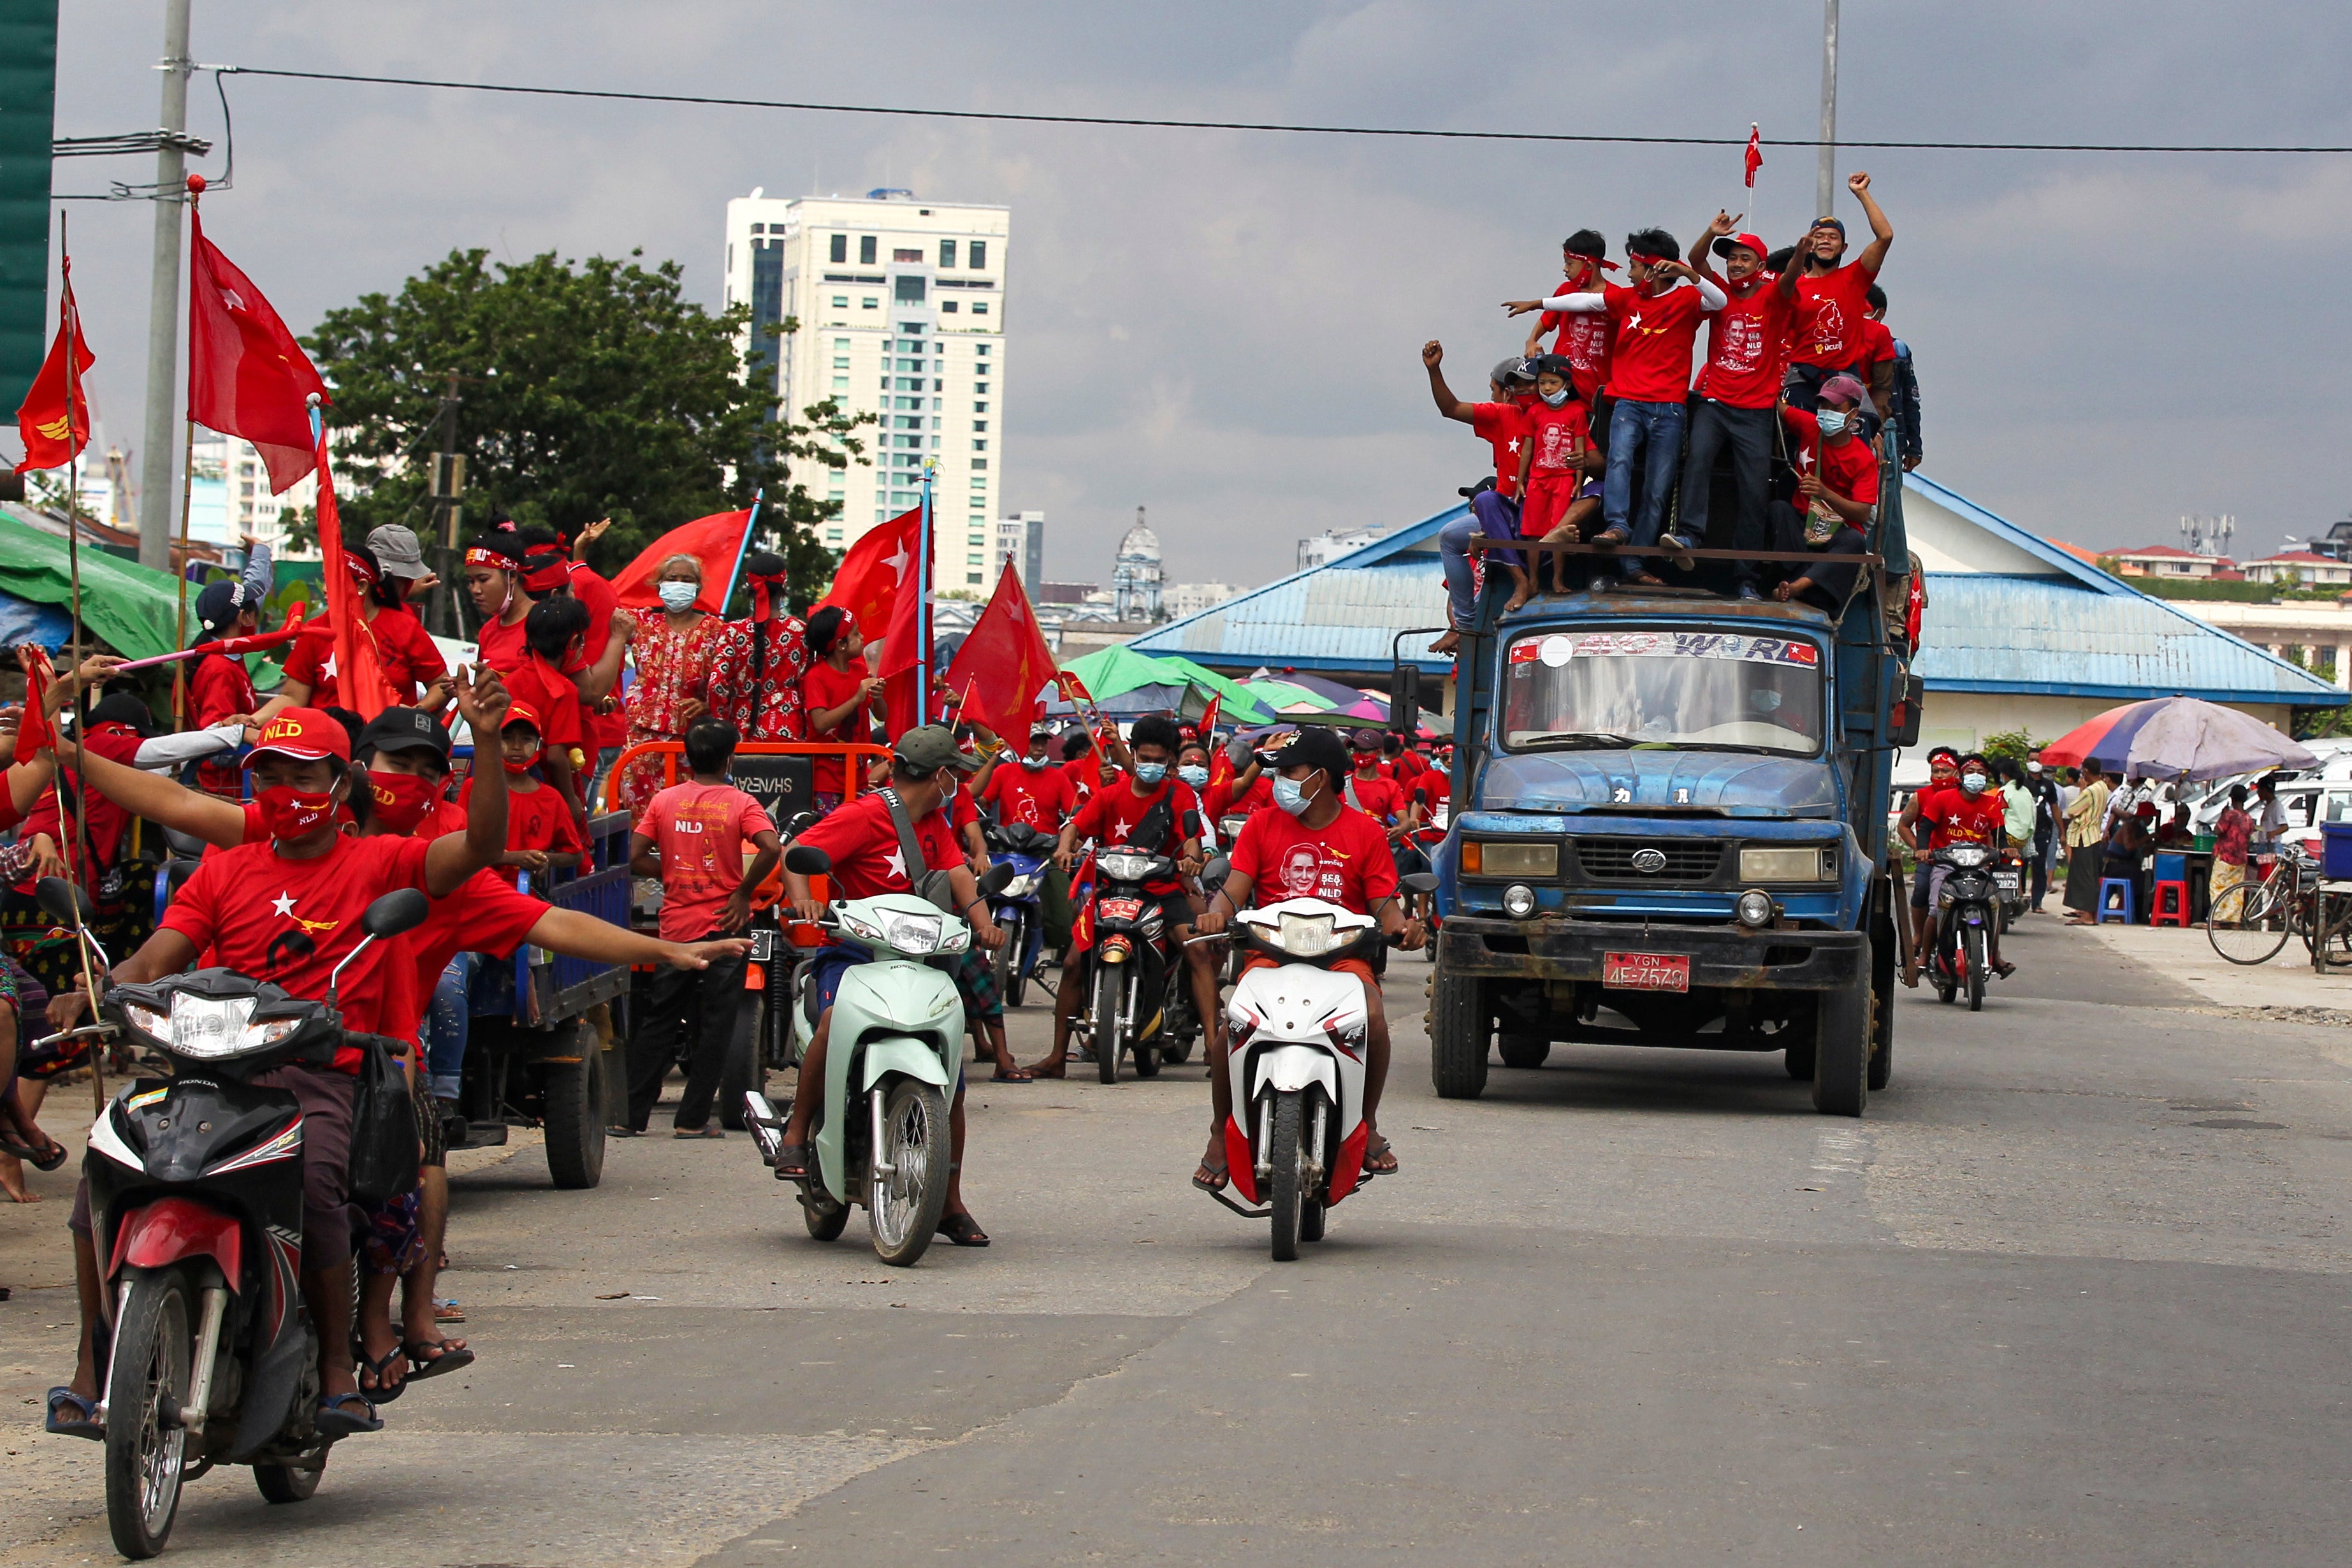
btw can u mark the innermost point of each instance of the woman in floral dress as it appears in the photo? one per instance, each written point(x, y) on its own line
point(672, 653)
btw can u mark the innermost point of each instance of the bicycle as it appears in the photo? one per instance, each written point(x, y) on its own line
point(2250, 922)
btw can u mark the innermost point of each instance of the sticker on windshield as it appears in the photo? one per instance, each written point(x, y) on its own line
point(1557, 649)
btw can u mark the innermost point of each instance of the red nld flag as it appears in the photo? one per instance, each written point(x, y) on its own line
point(866, 581)
point(247, 375)
point(54, 418)
point(1003, 662)
point(717, 542)
point(34, 732)
point(1208, 726)
point(360, 683)
point(1755, 153)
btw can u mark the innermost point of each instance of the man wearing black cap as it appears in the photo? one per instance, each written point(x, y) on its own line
point(1315, 845)
point(1832, 298)
point(1737, 390)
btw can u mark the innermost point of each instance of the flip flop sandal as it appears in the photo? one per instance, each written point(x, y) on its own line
point(83, 1424)
point(699, 1132)
point(47, 1159)
point(1371, 1153)
point(381, 1393)
point(334, 1421)
point(795, 1161)
point(963, 1230)
point(1056, 1073)
point(1018, 1075)
point(1223, 1175)
point(622, 1132)
point(422, 1366)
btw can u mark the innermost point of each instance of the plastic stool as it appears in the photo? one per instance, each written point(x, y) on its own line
point(2169, 905)
point(2124, 886)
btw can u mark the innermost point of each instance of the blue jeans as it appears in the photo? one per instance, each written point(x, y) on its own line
point(445, 1022)
point(1650, 434)
point(1496, 517)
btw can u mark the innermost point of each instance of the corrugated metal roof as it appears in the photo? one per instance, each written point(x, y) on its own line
point(1987, 632)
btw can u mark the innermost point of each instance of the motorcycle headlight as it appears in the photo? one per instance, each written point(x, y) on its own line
point(155, 1025)
point(1306, 936)
point(1125, 868)
point(956, 938)
point(208, 1028)
point(1968, 855)
point(915, 935)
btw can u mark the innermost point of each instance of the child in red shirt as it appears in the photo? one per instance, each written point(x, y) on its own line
point(1551, 470)
point(540, 834)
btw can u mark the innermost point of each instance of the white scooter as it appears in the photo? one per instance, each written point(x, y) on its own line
point(1296, 1139)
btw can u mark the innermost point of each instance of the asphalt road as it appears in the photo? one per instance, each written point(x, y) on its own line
point(2075, 1291)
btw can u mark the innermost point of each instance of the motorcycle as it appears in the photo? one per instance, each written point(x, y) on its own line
point(2008, 880)
point(1129, 970)
point(1964, 909)
point(881, 1139)
point(208, 1355)
point(1019, 909)
point(1294, 1142)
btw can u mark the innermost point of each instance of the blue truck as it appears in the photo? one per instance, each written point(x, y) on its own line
point(1669, 825)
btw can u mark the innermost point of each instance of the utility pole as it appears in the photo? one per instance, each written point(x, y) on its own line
point(448, 484)
point(163, 299)
point(1825, 186)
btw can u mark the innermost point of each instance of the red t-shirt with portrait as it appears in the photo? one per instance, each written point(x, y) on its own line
point(1557, 434)
point(1652, 363)
point(1043, 798)
point(822, 688)
point(1586, 341)
point(1849, 467)
point(1747, 345)
point(701, 831)
point(1502, 426)
point(1832, 308)
point(1958, 818)
point(868, 860)
point(1346, 862)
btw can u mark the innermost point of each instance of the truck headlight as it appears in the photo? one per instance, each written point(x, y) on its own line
point(1519, 901)
point(1794, 863)
point(1490, 858)
point(1754, 909)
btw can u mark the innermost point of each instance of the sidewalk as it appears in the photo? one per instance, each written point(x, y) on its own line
point(2285, 983)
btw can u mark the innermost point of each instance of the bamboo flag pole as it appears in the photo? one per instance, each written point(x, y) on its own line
point(187, 490)
point(81, 707)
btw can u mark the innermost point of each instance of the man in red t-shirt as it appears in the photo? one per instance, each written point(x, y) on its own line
point(1826, 335)
point(1657, 321)
point(1033, 791)
point(1585, 340)
point(1746, 350)
point(1837, 484)
point(1501, 422)
point(1314, 847)
point(869, 860)
point(1971, 812)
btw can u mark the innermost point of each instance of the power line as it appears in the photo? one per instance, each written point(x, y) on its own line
point(1385, 131)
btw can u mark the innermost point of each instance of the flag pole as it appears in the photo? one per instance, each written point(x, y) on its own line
point(81, 703)
point(923, 606)
point(187, 490)
point(750, 526)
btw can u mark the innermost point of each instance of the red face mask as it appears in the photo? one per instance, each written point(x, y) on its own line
point(401, 799)
point(287, 812)
point(518, 768)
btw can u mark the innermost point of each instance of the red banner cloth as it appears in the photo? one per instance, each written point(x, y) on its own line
point(866, 581)
point(359, 672)
point(56, 429)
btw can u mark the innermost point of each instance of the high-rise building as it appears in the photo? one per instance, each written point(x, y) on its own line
point(1023, 537)
point(228, 494)
point(899, 312)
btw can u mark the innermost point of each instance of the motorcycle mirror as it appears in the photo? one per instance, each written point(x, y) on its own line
point(996, 880)
point(807, 860)
point(63, 901)
point(398, 911)
point(1214, 874)
point(800, 823)
point(1418, 882)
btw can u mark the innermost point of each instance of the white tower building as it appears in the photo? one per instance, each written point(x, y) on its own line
point(1135, 575)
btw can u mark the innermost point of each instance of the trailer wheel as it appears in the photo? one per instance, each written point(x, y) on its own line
point(1841, 1046)
point(573, 1097)
point(1460, 1025)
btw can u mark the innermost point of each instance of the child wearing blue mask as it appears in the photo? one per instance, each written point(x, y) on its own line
point(1837, 491)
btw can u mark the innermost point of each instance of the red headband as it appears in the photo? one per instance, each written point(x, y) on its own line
point(766, 584)
point(360, 569)
point(544, 571)
point(477, 556)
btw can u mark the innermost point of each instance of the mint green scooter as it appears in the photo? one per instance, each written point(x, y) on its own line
point(880, 1136)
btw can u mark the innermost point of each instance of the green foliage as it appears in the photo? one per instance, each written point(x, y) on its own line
point(2320, 723)
point(586, 390)
point(2237, 593)
point(2017, 745)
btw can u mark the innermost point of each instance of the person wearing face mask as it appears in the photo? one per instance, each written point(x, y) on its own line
point(410, 659)
point(1313, 846)
point(672, 653)
point(840, 696)
point(1826, 337)
point(1033, 791)
point(1746, 342)
point(1943, 772)
point(1971, 812)
point(1159, 814)
point(1657, 321)
point(1837, 486)
point(1494, 513)
point(542, 836)
point(1558, 500)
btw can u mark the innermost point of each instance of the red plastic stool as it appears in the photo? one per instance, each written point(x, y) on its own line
point(2170, 905)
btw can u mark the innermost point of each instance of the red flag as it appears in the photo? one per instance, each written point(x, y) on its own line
point(33, 733)
point(866, 581)
point(1003, 662)
point(359, 684)
point(247, 375)
point(54, 430)
point(715, 540)
point(905, 643)
point(1755, 153)
point(1209, 718)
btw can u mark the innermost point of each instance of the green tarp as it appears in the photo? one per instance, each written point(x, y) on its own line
point(1111, 671)
point(136, 610)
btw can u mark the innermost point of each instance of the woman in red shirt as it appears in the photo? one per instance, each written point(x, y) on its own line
point(409, 657)
point(838, 695)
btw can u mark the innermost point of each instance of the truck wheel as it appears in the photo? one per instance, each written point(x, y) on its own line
point(744, 1072)
point(1460, 1025)
point(1523, 1050)
point(1841, 1046)
point(573, 1095)
point(1882, 997)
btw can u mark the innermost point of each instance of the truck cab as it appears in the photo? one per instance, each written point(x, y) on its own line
point(1669, 829)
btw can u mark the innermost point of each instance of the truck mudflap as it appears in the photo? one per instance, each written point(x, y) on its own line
point(1720, 957)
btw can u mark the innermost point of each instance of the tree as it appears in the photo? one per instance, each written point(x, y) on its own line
point(2018, 746)
point(583, 391)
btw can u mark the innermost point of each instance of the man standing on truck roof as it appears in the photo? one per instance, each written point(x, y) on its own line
point(1501, 422)
point(1899, 401)
point(1832, 297)
point(1837, 485)
point(1585, 340)
point(1657, 321)
point(1747, 345)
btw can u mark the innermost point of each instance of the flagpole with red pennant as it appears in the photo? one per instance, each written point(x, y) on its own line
point(1754, 160)
point(76, 436)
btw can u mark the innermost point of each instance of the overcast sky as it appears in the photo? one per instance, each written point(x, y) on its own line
point(1225, 327)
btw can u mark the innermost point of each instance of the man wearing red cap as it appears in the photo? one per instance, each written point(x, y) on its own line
point(1747, 344)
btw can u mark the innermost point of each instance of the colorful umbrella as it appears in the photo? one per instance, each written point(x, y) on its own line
point(2178, 738)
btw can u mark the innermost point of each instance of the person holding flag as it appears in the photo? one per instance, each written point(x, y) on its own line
point(757, 664)
point(839, 695)
point(411, 662)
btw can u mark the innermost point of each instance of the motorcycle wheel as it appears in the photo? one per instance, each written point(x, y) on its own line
point(571, 1106)
point(1007, 961)
point(1146, 1050)
point(911, 1190)
point(1108, 1041)
point(1974, 958)
point(290, 1483)
point(743, 1071)
point(1176, 1055)
point(1311, 1222)
point(1286, 1188)
point(826, 1219)
point(146, 1448)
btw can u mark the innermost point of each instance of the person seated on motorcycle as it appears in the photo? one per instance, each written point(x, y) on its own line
point(863, 842)
point(1973, 813)
point(287, 910)
point(1943, 772)
point(1313, 846)
point(1156, 814)
point(1239, 787)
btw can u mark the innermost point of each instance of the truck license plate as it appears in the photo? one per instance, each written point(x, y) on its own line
point(1645, 971)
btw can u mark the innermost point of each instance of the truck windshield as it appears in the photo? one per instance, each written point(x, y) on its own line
point(1700, 690)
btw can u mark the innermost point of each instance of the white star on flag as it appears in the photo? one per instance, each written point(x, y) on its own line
point(896, 861)
point(1804, 459)
point(284, 905)
point(900, 561)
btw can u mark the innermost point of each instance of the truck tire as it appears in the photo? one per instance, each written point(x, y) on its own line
point(1460, 1024)
point(1523, 1050)
point(573, 1097)
point(1882, 995)
point(1841, 1046)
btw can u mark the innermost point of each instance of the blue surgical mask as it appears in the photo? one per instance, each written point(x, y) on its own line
point(1972, 783)
point(1036, 764)
point(1831, 421)
point(1150, 772)
point(1290, 795)
point(1556, 399)
point(678, 597)
point(1194, 776)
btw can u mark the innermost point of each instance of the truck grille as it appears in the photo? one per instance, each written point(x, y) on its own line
point(1612, 859)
